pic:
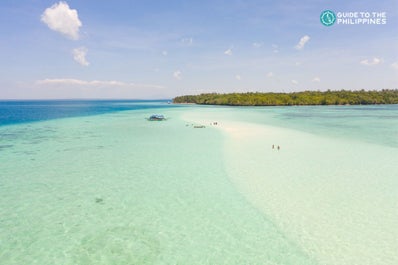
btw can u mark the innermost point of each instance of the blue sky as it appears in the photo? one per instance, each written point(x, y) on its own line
point(161, 49)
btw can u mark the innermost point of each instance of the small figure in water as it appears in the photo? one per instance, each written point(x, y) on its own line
point(279, 147)
point(273, 146)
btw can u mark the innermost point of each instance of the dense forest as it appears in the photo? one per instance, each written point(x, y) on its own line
point(342, 97)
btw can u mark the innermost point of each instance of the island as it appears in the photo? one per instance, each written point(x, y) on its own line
point(329, 97)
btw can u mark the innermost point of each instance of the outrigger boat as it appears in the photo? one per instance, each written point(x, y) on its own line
point(156, 117)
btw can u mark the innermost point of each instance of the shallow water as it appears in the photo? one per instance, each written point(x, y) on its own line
point(332, 191)
point(117, 189)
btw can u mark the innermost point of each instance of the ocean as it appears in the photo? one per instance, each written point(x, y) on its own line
point(17, 111)
point(95, 182)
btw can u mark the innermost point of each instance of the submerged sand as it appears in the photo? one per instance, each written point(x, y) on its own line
point(333, 196)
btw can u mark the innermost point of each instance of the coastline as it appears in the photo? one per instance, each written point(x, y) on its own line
point(305, 98)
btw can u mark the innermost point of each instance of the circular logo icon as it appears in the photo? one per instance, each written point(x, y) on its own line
point(328, 18)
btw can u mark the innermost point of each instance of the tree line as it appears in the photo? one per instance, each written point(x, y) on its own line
point(342, 97)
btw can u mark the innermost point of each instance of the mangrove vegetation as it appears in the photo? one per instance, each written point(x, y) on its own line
point(341, 97)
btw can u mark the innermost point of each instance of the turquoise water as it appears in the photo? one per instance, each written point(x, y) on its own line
point(117, 189)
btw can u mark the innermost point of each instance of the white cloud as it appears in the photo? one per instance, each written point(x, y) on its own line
point(177, 75)
point(94, 83)
point(76, 88)
point(275, 48)
point(79, 55)
point(257, 44)
point(316, 79)
point(187, 41)
point(395, 65)
point(374, 61)
point(294, 82)
point(300, 45)
point(59, 17)
point(238, 77)
point(165, 53)
point(270, 74)
point(228, 52)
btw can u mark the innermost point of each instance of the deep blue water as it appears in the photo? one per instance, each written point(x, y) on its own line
point(14, 112)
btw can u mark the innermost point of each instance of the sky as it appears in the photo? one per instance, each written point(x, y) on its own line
point(156, 49)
